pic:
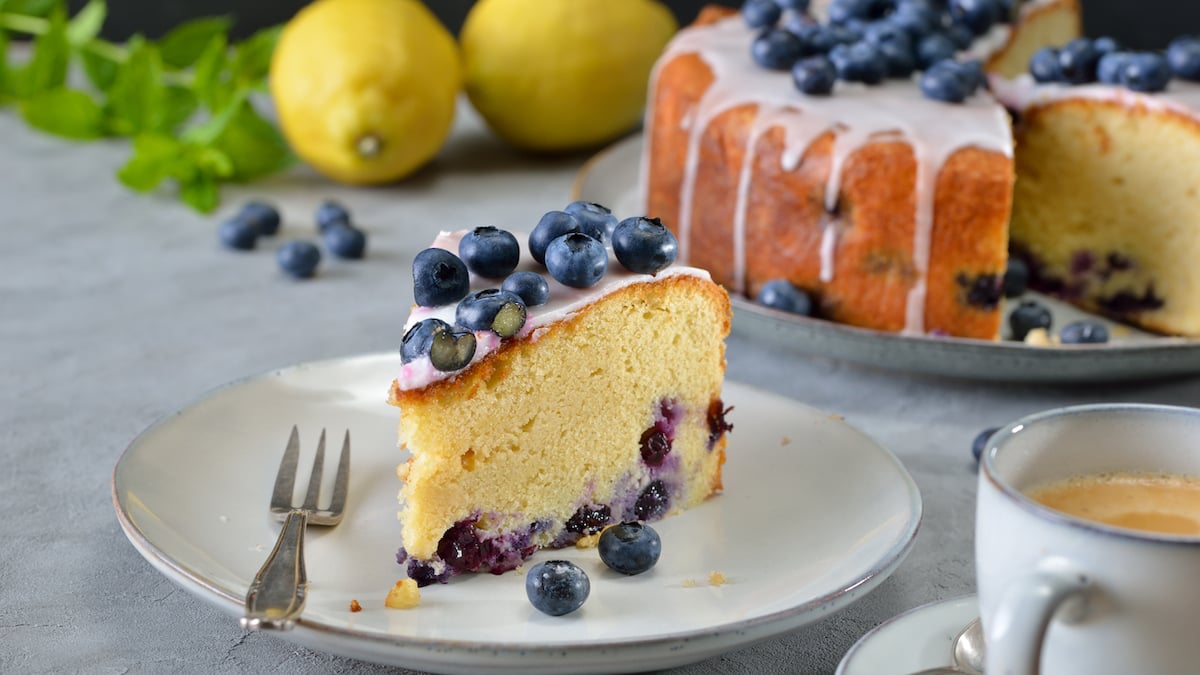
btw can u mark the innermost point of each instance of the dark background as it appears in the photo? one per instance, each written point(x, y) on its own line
point(1136, 23)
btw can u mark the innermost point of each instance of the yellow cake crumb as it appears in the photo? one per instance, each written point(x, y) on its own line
point(785, 441)
point(354, 606)
point(404, 595)
point(715, 578)
point(1040, 337)
point(836, 417)
point(588, 541)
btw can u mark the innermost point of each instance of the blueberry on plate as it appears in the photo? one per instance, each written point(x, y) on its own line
point(530, 286)
point(419, 337)
point(552, 225)
point(1083, 333)
point(1043, 65)
point(644, 245)
point(630, 548)
point(595, 220)
point(980, 443)
point(1183, 55)
point(1027, 316)
point(814, 76)
point(761, 13)
point(439, 278)
point(577, 260)
point(299, 258)
point(782, 295)
point(776, 49)
point(557, 587)
point(491, 309)
point(490, 252)
point(1016, 277)
point(330, 213)
point(344, 240)
point(262, 216)
point(238, 234)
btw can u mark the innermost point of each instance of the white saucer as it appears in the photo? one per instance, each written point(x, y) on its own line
point(915, 640)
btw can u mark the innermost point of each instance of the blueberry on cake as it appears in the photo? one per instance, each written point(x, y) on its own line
point(543, 402)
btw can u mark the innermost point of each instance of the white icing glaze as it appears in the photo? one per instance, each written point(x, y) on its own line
point(1023, 92)
point(564, 301)
point(857, 114)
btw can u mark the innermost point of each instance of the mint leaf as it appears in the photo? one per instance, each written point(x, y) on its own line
point(47, 68)
point(137, 99)
point(254, 145)
point(213, 161)
point(183, 45)
point(206, 76)
point(85, 26)
point(253, 58)
point(151, 163)
point(200, 192)
point(179, 104)
point(100, 71)
point(38, 8)
point(65, 112)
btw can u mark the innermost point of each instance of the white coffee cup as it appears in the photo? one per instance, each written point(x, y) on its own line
point(1064, 596)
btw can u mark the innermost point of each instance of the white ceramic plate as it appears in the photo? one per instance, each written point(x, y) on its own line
point(918, 639)
point(814, 514)
point(611, 178)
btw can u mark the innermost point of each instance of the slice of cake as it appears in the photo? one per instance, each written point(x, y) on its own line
point(603, 406)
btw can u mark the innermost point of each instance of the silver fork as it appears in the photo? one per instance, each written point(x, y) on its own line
point(276, 596)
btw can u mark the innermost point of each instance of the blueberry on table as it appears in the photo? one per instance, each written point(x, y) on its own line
point(814, 76)
point(761, 13)
point(557, 587)
point(577, 260)
point(1183, 55)
point(238, 234)
point(530, 286)
point(552, 225)
point(1044, 66)
point(1016, 277)
point(1027, 316)
point(595, 220)
point(980, 442)
point(630, 548)
point(492, 309)
point(345, 241)
point(782, 295)
point(439, 278)
point(644, 245)
point(776, 49)
point(418, 338)
point(1083, 333)
point(490, 252)
point(299, 258)
point(330, 213)
point(262, 216)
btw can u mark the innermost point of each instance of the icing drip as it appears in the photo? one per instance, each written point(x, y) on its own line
point(829, 236)
point(857, 114)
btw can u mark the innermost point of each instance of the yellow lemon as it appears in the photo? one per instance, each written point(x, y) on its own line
point(365, 89)
point(562, 74)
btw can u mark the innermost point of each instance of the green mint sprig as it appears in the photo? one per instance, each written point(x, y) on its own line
point(185, 100)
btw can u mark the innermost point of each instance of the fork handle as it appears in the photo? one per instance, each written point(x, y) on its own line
point(276, 596)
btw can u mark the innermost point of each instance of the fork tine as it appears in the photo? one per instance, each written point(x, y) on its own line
point(314, 480)
point(285, 478)
point(341, 481)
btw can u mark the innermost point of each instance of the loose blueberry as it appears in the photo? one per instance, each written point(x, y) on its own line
point(557, 587)
point(933, 48)
point(1043, 65)
point(980, 443)
point(595, 220)
point(776, 49)
point(644, 245)
point(577, 260)
point(1183, 55)
point(1077, 61)
point(419, 337)
point(262, 216)
point(1146, 72)
point(553, 225)
point(814, 76)
point(782, 295)
point(1111, 67)
point(530, 286)
point(1083, 333)
point(1027, 316)
point(943, 82)
point(452, 350)
point(761, 13)
point(439, 278)
point(299, 258)
point(630, 548)
point(492, 309)
point(330, 213)
point(978, 15)
point(238, 234)
point(859, 62)
point(1016, 277)
point(490, 252)
point(344, 240)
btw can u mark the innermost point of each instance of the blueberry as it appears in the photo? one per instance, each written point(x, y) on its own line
point(344, 240)
point(1146, 72)
point(298, 258)
point(899, 58)
point(1016, 277)
point(490, 252)
point(1083, 333)
point(653, 502)
point(452, 350)
point(980, 443)
point(262, 216)
point(978, 15)
point(644, 245)
point(553, 225)
point(944, 82)
point(782, 295)
point(776, 49)
point(595, 220)
point(239, 234)
point(845, 11)
point(960, 35)
point(630, 548)
point(884, 32)
point(916, 17)
point(330, 213)
point(577, 260)
point(439, 278)
point(1183, 55)
point(654, 446)
point(589, 519)
point(797, 5)
point(1027, 316)
point(418, 338)
point(1105, 45)
point(1077, 61)
point(1043, 65)
point(815, 38)
point(557, 587)
point(530, 286)
point(1111, 67)
point(814, 75)
point(491, 309)
point(933, 48)
point(859, 62)
point(761, 13)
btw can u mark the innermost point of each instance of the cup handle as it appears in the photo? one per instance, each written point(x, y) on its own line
point(1017, 628)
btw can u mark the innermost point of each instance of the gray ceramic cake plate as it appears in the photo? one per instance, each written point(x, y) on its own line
point(611, 178)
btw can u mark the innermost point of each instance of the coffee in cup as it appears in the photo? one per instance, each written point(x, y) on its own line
point(1151, 502)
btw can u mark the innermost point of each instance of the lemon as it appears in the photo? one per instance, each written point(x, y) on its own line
point(365, 89)
point(562, 74)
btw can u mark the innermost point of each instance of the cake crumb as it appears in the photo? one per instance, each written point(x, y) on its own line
point(404, 595)
point(689, 583)
point(785, 441)
point(588, 541)
point(1040, 337)
point(715, 578)
point(354, 606)
point(836, 417)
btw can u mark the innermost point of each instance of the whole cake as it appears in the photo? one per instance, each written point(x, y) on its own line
point(599, 406)
point(889, 208)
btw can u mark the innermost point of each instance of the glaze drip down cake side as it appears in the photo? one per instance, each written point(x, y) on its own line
point(604, 406)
